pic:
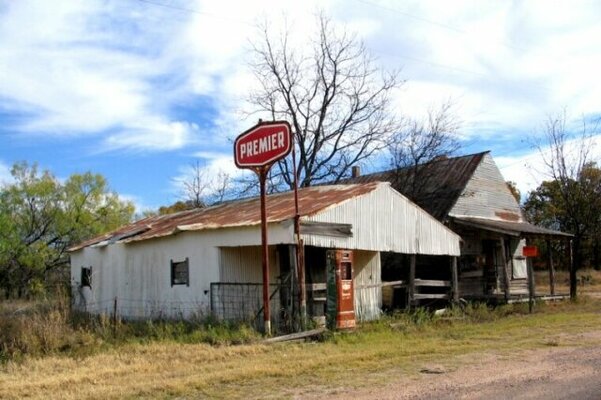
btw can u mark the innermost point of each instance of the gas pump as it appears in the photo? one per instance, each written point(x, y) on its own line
point(341, 293)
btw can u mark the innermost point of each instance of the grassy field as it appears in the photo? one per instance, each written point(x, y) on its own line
point(369, 356)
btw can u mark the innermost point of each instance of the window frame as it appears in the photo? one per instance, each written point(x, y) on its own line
point(85, 279)
point(174, 278)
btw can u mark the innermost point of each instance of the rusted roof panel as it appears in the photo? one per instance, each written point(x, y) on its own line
point(280, 207)
point(434, 186)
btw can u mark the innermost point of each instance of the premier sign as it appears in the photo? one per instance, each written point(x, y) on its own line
point(263, 144)
point(258, 148)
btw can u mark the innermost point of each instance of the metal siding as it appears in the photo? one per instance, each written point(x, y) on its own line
point(384, 220)
point(486, 195)
point(245, 264)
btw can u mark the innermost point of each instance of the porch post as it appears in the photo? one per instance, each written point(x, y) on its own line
point(572, 269)
point(530, 283)
point(411, 285)
point(294, 286)
point(551, 268)
point(504, 261)
point(454, 279)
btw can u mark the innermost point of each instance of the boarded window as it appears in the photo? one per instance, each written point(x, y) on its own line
point(180, 273)
point(86, 277)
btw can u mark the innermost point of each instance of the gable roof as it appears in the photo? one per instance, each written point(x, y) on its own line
point(247, 212)
point(442, 181)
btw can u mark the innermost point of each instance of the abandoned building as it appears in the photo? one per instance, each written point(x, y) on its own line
point(470, 196)
point(208, 261)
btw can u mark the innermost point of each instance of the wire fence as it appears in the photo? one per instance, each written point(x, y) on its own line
point(232, 301)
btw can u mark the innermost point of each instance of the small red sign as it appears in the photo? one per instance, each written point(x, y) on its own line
point(530, 251)
point(263, 144)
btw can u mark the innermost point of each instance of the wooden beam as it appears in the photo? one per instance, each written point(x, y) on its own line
point(424, 296)
point(428, 282)
point(454, 279)
point(411, 287)
point(395, 284)
point(295, 336)
point(551, 268)
point(326, 229)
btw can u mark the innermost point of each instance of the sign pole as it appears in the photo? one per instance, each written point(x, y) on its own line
point(262, 172)
point(257, 149)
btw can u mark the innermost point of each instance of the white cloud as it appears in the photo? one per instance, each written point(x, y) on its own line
point(138, 202)
point(119, 69)
point(528, 171)
point(5, 176)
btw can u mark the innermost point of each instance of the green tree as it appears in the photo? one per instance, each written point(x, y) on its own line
point(573, 208)
point(40, 218)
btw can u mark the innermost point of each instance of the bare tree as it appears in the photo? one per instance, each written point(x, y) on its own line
point(419, 142)
point(195, 186)
point(200, 188)
point(567, 157)
point(337, 102)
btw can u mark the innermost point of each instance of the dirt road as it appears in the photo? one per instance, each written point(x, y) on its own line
point(557, 371)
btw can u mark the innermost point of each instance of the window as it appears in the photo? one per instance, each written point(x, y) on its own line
point(180, 273)
point(86, 277)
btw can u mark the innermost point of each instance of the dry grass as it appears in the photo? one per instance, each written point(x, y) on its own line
point(376, 351)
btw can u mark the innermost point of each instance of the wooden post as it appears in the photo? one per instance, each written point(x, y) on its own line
point(572, 269)
point(504, 260)
point(115, 316)
point(551, 268)
point(530, 284)
point(411, 286)
point(454, 279)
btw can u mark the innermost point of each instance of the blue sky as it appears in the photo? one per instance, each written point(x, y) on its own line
point(138, 90)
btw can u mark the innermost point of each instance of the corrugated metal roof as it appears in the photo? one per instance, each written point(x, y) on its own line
point(434, 186)
point(280, 207)
point(510, 228)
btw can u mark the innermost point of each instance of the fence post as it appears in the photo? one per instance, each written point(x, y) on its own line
point(115, 315)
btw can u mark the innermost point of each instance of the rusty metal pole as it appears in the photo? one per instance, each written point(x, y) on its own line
point(299, 257)
point(262, 172)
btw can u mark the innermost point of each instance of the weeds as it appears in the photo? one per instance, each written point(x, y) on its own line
point(49, 327)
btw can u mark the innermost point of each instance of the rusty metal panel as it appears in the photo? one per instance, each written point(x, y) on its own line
point(242, 213)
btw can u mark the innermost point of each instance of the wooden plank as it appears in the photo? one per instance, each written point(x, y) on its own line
point(326, 229)
point(424, 296)
point(395, 284)
point(432, 283)
point(295, 336)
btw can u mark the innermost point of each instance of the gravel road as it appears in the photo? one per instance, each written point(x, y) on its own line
point(558, 371)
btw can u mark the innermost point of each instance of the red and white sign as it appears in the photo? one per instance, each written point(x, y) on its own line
point(263, 144)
